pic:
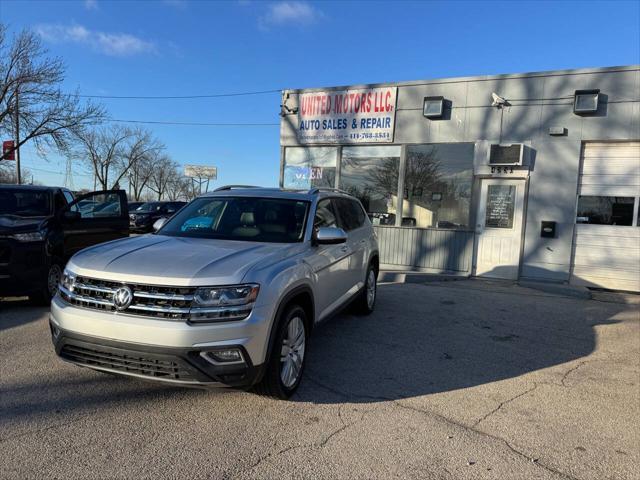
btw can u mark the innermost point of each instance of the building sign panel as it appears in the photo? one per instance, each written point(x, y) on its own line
point(501, 201)
point(201, 171)
point(347, 116)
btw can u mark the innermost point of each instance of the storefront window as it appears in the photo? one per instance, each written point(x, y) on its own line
point(310, 167)
point(437, 185)
point(371, 175)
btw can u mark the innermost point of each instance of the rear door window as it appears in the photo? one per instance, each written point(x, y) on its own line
point(351, 214)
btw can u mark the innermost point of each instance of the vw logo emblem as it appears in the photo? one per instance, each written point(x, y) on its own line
point(122, 298)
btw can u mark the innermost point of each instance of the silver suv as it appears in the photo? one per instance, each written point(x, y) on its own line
point(225, 293)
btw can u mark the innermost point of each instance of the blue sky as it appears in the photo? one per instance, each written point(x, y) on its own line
point(183, 47)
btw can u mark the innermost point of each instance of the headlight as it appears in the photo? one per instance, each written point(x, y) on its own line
point(28, 237)
point(68, 280)
point(223, 304)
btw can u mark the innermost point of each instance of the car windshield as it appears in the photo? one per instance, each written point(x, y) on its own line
point(25, 202)
point(241, 218)
point(149, 207)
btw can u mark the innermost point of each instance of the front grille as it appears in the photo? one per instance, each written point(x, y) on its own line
point(171, 303)
point(5, 252)
point(126, 361)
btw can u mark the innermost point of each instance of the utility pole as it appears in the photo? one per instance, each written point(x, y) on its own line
point(18, 177)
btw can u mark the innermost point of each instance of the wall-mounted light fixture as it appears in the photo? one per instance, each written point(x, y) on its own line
point(433, 107)
point(586, 101)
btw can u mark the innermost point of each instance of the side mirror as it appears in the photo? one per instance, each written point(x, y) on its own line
point(329, 236)
point(158, 224)
point(71, 216)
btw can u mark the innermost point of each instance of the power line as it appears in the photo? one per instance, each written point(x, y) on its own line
point(197, 124)
point(177, 97)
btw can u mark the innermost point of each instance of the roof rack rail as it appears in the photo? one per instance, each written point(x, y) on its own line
point(229, 187)
point(315, 190)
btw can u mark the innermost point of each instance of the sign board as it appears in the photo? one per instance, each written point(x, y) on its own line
point(364, 115)
point(200, 171)
point(8, 152)
point(500, 206)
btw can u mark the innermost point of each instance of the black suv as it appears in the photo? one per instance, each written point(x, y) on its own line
point(41, 227)
point(141, 220)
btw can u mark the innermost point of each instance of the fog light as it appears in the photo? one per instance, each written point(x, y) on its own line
point(226, 356)
point(55, 331)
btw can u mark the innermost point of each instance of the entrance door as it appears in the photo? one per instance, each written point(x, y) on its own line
point(499, 228)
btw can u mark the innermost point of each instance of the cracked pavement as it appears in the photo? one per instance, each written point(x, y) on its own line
point(465, 379)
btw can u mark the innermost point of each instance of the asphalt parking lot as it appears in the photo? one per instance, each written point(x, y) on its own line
point(465, 379)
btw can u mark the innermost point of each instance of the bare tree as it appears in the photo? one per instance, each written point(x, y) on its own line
point(103, 149)
point(163, 170)
point(30, 84)
point(178, 187)
point(137, 159)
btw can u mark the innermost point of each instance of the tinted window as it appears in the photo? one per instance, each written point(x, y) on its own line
point(351, 214)
point(605, 210)
point(325, 214)
point(100, 205)
point(240, 218)
point(150, 207)
point(25, 202)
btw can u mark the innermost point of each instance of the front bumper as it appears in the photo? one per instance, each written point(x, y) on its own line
point(122, 343)
point(180, 366)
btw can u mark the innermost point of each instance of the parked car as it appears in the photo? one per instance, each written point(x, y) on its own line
point(225, 302)
point(142, 219)
point(134, 205)
point(41, 227)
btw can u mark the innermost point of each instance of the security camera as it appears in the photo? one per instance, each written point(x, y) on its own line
point(498, 101)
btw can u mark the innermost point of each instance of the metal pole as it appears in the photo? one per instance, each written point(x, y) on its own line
point(18, 177)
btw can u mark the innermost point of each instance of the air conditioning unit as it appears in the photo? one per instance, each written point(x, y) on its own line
point(506, 155)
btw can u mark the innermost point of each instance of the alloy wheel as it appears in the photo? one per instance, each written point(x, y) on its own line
point(292, 352)
point(53, 279)
point(371, 289)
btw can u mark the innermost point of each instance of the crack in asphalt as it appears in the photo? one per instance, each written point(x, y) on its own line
point(571, 370)
point(502, 404)
point(398, 403)
point(313, 445)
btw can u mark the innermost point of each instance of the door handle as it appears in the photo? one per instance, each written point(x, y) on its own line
point(344, 248)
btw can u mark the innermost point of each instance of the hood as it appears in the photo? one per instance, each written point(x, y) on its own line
point(10, 224)
point(164, 260)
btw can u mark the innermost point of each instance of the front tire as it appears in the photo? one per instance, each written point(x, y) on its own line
point(45, 294)
point(286, 363)
point(366, 301)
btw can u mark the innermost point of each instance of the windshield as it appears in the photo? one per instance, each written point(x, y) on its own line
point(241, 218)
point(149, 207)
point(25, 202)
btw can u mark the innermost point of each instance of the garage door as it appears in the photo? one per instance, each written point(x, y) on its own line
point(606, 249)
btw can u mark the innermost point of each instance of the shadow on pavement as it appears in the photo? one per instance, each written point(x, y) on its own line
point(420, 340)
point(423, 340)
point(18, 311)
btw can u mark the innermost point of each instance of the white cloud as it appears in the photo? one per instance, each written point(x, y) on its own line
point(91, 4)
point(290, 13)
point(113, 44)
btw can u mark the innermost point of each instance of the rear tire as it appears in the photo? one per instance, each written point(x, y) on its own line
point(285, 364)
point(365, 303)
